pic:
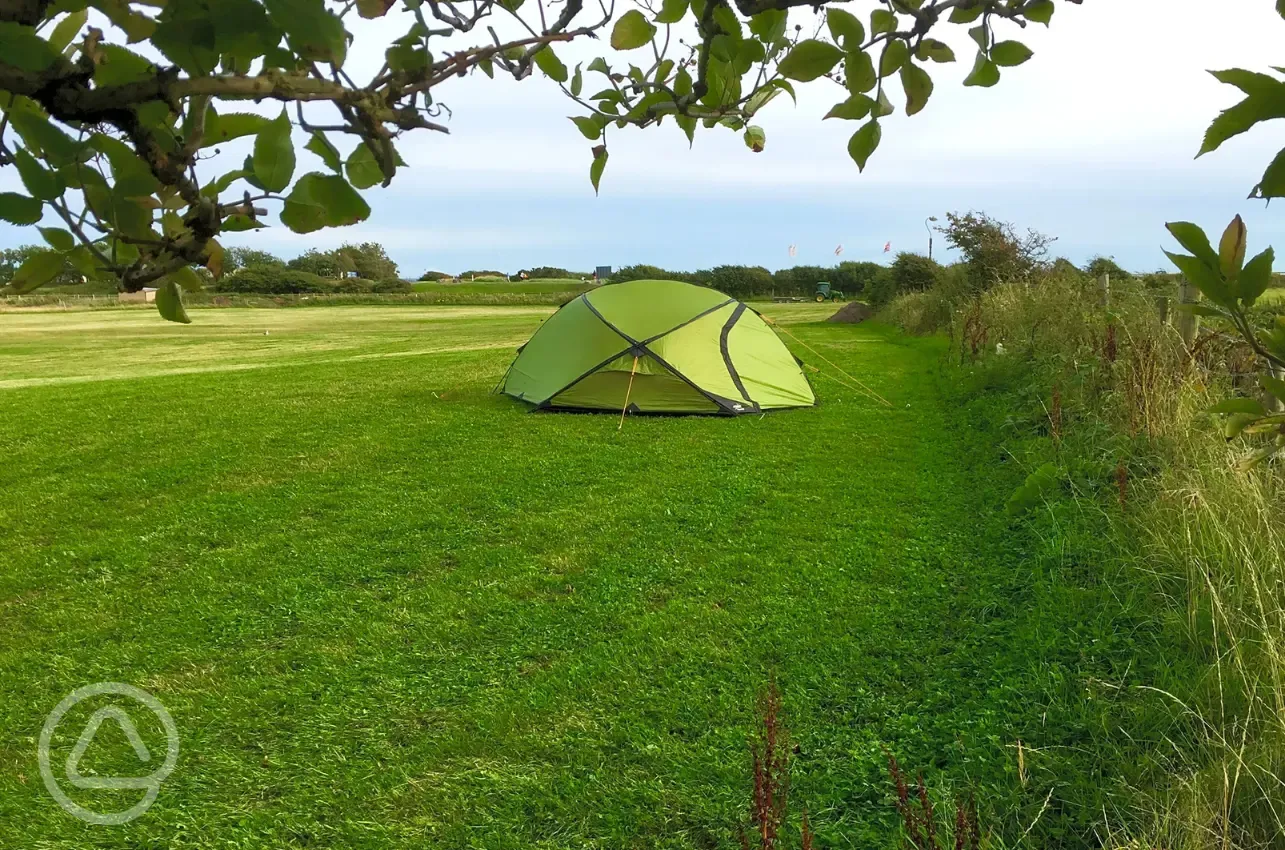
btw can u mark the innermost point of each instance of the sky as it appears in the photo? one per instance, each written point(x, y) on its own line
point(1092, 141)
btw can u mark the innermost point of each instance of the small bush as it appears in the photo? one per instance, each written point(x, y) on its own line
point(472, 273)
point(387, 287)
point(434, 276)
point(741, 281)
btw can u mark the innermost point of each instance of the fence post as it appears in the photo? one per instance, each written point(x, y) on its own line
point(1104, 290)
point(1188, 322)
point(1162, 309)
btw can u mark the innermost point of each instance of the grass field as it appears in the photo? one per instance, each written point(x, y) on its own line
point(389, 609)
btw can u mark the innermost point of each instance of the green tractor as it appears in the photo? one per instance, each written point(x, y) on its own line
point(825, 293)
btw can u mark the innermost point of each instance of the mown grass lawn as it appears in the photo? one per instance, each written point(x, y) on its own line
point(389, 609)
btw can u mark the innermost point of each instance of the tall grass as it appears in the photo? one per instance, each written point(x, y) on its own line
point(1118, 403)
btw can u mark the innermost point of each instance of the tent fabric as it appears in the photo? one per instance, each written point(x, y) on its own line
point(686, 348)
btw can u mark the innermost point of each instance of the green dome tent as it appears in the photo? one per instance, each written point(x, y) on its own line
point(657, 346)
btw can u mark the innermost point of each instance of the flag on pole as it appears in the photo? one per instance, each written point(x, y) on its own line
point(838, 251)
point(794, 249)
point(887, 246)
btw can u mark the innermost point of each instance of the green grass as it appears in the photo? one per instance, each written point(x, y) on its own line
point(389, 609)
point(493, 286)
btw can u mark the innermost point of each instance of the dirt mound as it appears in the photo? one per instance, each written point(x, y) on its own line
point(852, 313)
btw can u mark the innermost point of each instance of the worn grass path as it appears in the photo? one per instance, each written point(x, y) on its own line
point(388, 609)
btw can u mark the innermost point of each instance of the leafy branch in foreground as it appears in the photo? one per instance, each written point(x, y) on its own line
point(114, 147)
point(1231, 285)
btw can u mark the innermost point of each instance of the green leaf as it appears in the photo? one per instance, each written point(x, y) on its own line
point(234, 125)
point(855, 108)
point(918, 86)
point(83, 260)
point(548, 62)
point(213, 190)
point(631, 31)
point(882, 106)
point(119, 66)
point(1008, 54)
point(1201, 276)
point(597, 166)
point(131, 175)
point(40, 182)
point(1237, 422)
point(845, 28)
point(1033, 490)
point(1239, 405)
point(755, 138)
point(577, 82)
point(1204, 310)
point(1271, 383)
point(58, 239)
point(19, 209)
point(1256, 277)
point(188, 279)
point(68, 28)
point(322, 200)
point(312, 31)
point(881, 21)
point(185, 35)
point(671, 11)
point(600, 65)
point(590, 127)
point(981, 36)
point(274, 154)
point(728, 23)
point(41, 135)
point(40, 268)
point(759, 99)
point(1272, 184)
point(895, 54)
point(1231, 249)
point(785, 86)
point(1040, 11)
point(859, 72)
point(809, 59)
point(966, 14)
point(363, 167)
point(169, 302)
point(985, 73)
point(1191, 237)
point(688, 125)
point(238, 223)
point(863, 143)
point(769, 25)
point(322, 147)
point(937, 51)
point(374, 8)
point(22, 48)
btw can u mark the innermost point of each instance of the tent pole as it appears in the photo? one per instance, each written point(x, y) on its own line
point(628, 390)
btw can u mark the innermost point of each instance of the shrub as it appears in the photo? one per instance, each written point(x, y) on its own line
point(472, 273)
point(386, 287)
point(1099, 266)
point(432, 275)
point(269, 280)
point(741, 281)
point(993, 249)
point(645, 272)
point(908, 273)
point(321, 264)
point(554, 273)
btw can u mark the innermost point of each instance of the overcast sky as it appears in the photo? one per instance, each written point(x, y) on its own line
point(1092, 141)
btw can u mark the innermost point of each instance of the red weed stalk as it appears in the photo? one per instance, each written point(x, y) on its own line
point(1109, 347)
point(771, 754)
